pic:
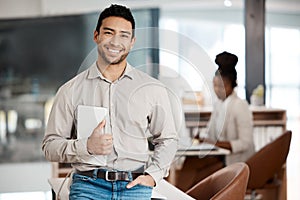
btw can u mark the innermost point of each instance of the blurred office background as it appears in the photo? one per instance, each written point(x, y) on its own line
point(44, 43)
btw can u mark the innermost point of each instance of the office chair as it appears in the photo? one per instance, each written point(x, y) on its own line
point(265, 164)
point(227, 183)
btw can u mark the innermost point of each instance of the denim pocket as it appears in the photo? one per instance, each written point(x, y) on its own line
point(78, 177)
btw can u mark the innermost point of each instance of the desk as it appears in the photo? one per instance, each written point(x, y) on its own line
point(201, 153)
point(192, 157)
point(162, 191)
point(218, 152)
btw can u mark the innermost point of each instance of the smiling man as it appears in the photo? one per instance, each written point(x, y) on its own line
point(138, 107)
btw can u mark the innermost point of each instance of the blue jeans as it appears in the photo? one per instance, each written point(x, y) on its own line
point(84, 187)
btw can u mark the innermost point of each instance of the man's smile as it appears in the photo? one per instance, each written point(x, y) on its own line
point(112, 51)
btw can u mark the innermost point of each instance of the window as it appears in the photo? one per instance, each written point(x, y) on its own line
point(209, 38)
point(282, 68)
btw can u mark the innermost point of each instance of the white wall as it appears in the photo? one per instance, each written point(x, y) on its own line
point(37, 8)
point(25, 177)
point(16, 9)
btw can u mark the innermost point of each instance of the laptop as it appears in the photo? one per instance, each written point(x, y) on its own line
point(200, 147)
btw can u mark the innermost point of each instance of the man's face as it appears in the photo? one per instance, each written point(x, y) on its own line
point(114, 40)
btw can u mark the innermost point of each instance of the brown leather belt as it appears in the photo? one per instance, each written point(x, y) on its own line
point(110, 175)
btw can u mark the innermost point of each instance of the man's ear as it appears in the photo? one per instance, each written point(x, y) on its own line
point(96, 34)
point(132, 42)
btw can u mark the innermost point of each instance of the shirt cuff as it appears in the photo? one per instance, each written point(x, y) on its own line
point(81, 145)
point(236, 146)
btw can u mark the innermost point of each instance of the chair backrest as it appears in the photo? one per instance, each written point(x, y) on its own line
point(227, 183)
point(265, 163)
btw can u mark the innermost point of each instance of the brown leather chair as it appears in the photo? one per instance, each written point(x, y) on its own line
point(228, 183)
point(265, 164)
point(195, 170)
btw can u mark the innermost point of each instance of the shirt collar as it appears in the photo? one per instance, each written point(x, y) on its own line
point(94, 72)
point(229, 98)
point(127, 72)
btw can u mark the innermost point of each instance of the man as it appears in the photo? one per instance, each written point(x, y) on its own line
point(138, 107)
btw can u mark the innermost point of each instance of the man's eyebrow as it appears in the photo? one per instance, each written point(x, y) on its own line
point(110, 29)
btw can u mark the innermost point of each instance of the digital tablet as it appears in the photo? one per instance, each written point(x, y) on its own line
point(88, 118)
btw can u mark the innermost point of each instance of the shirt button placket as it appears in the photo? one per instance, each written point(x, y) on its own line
point(111, 105)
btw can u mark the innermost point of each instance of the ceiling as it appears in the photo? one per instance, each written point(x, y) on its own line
point(271, 5)
point(37, 8)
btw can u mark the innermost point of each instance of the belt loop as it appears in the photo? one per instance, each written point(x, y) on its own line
point(95, 173)
point(130, 176)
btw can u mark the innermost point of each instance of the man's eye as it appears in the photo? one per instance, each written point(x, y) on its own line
point(107, 33)
point(125, 36)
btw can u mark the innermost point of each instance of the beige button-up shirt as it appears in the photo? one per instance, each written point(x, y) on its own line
point(138, 107)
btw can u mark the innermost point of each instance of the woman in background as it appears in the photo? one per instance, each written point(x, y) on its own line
point(230, 125)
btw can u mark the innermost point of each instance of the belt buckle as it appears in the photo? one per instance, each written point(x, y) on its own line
point(108, 175)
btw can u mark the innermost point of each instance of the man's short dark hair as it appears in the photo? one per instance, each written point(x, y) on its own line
point(116, 11)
